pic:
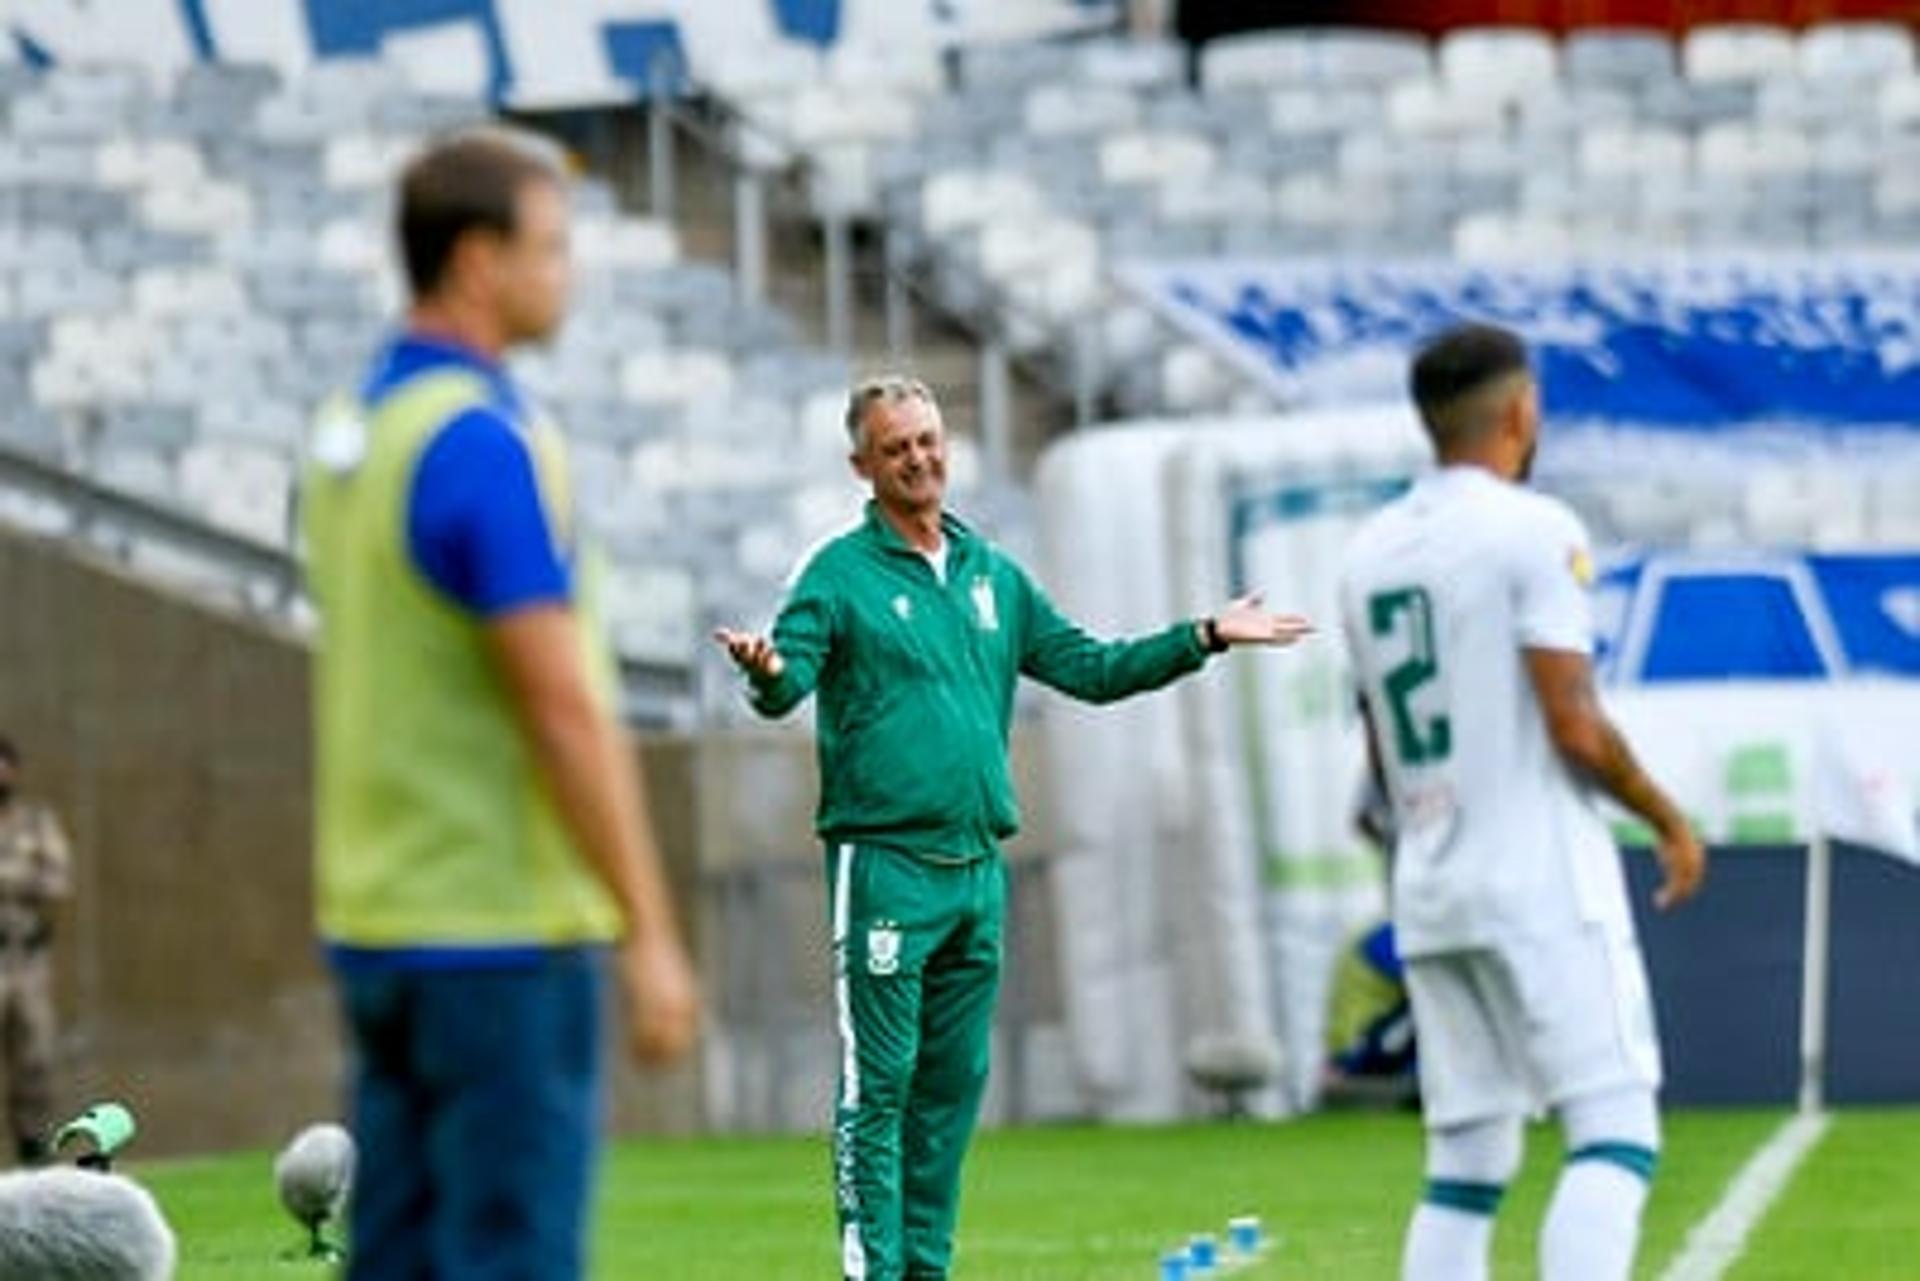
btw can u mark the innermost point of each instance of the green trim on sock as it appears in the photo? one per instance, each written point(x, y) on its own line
point(1468, 1198)
point(1630, 1157)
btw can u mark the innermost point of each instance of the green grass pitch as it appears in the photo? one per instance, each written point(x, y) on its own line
point(1077, 1204)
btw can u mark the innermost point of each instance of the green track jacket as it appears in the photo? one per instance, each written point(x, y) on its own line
point(916, 683)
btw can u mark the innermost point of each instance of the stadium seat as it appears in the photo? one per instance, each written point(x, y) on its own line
point(1501, 237)
point(1424, 108)
point(123, 162)
point(1324, 111)
point(1498, 62)
point(1898, 103)
point(25, 162)
point(1332, 57)
point(366, 161)
point(1073, 110)
point(1320, 202)
point(960, 200)
point(1753, 151)
point(1738, 51)
point(625, 243)
point(1855, 51)
point(1131, 64)
point(39, 247)
point(684, 378)
point(1798, 103)
point(1230, 197)
point(1360, 55)
point(1258, 60)
point(188, 291)
point(211, 208)
point(1154, 158)
point(142, 472)
point(1619, 57)
point(1613, 152)
point(911, 69)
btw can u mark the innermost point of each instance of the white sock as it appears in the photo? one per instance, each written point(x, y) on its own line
point(1445, 1244)
point(1593, 1225)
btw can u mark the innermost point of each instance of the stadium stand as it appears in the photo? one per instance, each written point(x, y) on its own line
point(177, 294)
point(1040, 167)
point(176, 297)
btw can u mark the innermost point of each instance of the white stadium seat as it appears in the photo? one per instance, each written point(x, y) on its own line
point(1738, 51)
point(1855, 51)
point(1498, 62)
point(1434, 107)
point(1752, 151)
point(1622, 152)
point(1502, 237)
point(1153, 158)
point(1063, 111)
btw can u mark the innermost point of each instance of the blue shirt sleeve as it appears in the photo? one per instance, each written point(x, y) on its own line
point(476, 526)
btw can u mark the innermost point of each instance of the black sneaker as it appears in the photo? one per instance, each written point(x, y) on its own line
point(32, 1151)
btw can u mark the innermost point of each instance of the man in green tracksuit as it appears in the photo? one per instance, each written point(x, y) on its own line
point(913, 630)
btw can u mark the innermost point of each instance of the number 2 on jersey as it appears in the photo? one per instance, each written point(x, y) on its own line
point(1416, 743)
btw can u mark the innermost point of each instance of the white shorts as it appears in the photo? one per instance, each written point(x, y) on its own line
point(1511, 1029)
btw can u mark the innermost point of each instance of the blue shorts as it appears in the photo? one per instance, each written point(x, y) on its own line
point(476, 1107)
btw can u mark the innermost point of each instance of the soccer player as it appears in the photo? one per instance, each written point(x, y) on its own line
point(481, 837)
point(913, 630)
point(1465, 607)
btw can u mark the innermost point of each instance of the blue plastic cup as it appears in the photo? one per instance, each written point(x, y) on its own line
point(1173, 1266)
point(1203, 1255)
point(1243, 1234)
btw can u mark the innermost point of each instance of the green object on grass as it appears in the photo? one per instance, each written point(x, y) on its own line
point(104, 1127)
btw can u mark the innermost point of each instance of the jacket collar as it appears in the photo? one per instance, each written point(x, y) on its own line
point(880, 531)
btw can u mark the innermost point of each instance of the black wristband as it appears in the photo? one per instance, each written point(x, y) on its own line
point(1210, 636)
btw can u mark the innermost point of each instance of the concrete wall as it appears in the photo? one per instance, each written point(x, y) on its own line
point(173, 739)
point(173, 742)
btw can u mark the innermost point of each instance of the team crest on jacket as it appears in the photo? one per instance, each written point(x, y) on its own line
point(902, 608)
point(883, 949)
point(985, 612)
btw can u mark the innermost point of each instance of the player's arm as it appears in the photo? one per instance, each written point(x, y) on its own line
point(478, 531)
point(1059, 654)
point(587, 763)
point(783, 668)
point(1594, 747)
point(1368, 816)
point(1551, 570)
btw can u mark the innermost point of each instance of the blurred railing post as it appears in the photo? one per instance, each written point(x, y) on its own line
point(996, 406)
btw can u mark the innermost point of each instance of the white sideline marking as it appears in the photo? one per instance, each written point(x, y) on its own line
point(1717, 1241)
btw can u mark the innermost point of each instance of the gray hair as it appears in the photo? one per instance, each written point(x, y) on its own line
point(889, 388)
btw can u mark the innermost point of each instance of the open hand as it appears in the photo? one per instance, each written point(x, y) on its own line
point(751, 652)
point(1246, 621)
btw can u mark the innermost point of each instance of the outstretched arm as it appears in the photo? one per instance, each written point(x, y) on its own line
point(1057, 653)
point(1592, 746)
point(783, 668)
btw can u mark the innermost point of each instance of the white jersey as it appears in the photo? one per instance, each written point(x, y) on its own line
point(1441, 592)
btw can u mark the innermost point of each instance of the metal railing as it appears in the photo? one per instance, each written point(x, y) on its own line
point(257, 579)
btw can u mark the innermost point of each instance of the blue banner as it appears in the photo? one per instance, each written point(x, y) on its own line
point(1696, 346)
point(1696, 616)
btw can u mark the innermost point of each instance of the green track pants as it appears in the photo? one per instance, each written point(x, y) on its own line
point(916, 949)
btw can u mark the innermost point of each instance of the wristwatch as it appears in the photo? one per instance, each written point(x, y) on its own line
point(1210, 636)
